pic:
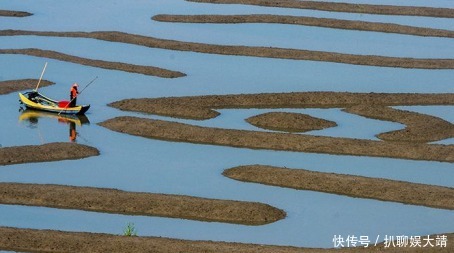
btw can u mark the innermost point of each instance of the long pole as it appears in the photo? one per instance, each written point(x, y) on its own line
point(41, 77)
point(86, 86)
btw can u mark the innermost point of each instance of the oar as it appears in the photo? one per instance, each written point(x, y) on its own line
point(86, 86)
point(41, 77)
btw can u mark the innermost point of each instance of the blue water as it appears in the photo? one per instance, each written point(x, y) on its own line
point(138, 164)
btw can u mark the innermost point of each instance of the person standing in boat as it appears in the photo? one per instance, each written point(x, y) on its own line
point(73, 95)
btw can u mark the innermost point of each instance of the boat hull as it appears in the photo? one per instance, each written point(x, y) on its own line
point(37, 101)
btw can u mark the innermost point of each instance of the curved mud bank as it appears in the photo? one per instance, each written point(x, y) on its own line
point(349, 185)
point(56, 151)
point(343, 7)
point(145, 70)
point(22, 84)
point(289, 122)
point(419, 127)
point(17, 14)
point(266, 52)
point(201, 107)
point(171, 131)
point(307, 21)
point(139, 203)
point(34, 240)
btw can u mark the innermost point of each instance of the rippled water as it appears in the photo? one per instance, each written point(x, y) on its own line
point(139, 164)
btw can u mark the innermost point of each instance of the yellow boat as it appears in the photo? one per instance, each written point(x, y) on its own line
point(36, 101)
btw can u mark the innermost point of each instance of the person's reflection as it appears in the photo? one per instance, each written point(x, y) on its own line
point(72, 132)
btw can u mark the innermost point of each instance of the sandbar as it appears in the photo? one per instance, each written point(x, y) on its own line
point(34, 240)
point(139, 69)
point(307, 21)
point(289, 122)
point(10, 86)
point(179, 132)
point(55, 151)
point(349, 185)
point(253, 51)
point(343, 7)
point(139, 203)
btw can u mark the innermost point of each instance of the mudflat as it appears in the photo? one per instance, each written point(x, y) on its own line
point(349, 185)
point(172, 131)
point(307, 21)
point(289, 122)
point(10, 86)
point(145, 70)
point(33, 240)
point(343, 7)
point(55, 151)
point(139, 203)
point(266, 52)
point(18, 14)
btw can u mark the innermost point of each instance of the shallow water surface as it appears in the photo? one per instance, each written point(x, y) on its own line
point(138, 164)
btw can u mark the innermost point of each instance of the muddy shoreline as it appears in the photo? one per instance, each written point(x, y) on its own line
point(348, 185)
point(343, 7)
point(11, 86)
point(56, 151)
point(266, 52)
point(289, 122)
point(17, 14)
point(202, 107)
point(179, 132)
point(145, 70)
point(307, 21)
point(419, 127)
point(139, 203)
point(34, 240)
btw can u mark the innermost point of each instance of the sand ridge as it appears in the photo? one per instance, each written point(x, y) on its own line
point(18, 14)
point(349, 185)
point(343, 7)
point(289, 122)
point(307, 21)
point(55, 151)
point(139, 203)
point(10, 86)
point(253, 51)
point(146, 70)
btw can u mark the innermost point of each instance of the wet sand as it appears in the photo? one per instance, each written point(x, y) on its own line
point(343, 7)
point(349, 185)
point(289, 122)
point(145, 70)
point(19, 14)
point(33, 240)
point(266, 52)
point(45, 153)
point(419, 127)
point(139, 203)
point(10, 86)
point(201, 107)
point(178, 132)
point(307, 21)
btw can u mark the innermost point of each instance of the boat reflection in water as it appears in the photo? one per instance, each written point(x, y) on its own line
point(33, 116)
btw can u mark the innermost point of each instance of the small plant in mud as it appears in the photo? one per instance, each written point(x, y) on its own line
point(130, 230)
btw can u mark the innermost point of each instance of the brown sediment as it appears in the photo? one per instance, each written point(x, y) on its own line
point(349, 185)
point(307, 21)
point(419, 127)
point(139, 203)
point(22, 84)
point(55, 151)
point(266, 52)
point(19, 14)
point(200, 107)
point(343, 7)
point(172, 131)
point(146, 70)
point(34, 240)
point(289, 122)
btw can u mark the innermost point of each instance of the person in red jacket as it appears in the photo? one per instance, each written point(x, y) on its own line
point(73, 95)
